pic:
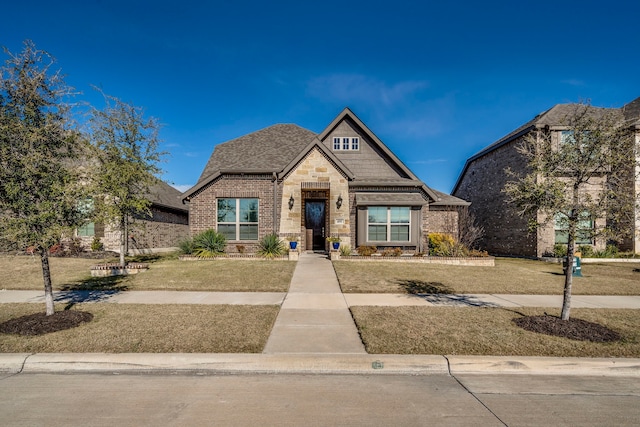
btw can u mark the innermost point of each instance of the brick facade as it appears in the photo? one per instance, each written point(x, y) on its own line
point(505, 233)
point(204, 205)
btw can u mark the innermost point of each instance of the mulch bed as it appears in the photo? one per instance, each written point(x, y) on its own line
point(575, 329)
point(40, 323)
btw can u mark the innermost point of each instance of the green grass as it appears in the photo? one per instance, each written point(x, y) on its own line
point(165, 273)
point(487, 331)
point(125, 328)
point(509, 276)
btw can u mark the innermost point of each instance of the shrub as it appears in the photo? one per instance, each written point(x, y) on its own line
point(478, 253)
point(586, 251)
point(366, 250)
point(186, 246)
point(74, 246)
point(270, 246)
point(441, 244)
point(559, 250)
point(240, 249)
point(392, 252)
point(345, 250)
point(96, 244)
point(209, 243)
point(611, 251)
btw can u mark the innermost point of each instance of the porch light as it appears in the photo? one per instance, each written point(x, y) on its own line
point(339, 202)
point(291, 201)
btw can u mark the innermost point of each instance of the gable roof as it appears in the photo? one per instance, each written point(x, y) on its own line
point(556, 116)
point(271, 148)
point(163, 195)
point(279, 148)
point(347, 114)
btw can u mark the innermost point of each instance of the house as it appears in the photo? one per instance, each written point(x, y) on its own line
point(343, 182)
point(483, 177)
point(162, 230)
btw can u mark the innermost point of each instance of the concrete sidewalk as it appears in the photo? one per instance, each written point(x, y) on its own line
point(277, 298)
point(314, 317)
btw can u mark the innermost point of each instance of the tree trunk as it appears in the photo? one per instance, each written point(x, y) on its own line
point(46, 275)
point(568, 280)
point(123, 240)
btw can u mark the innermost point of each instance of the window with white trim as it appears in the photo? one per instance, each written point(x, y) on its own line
point(346, 143)
point(238, 218)
point(388, 224)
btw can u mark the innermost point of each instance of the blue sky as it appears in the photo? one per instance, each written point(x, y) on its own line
point(436, 81)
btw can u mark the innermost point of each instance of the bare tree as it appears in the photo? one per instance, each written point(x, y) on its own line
point(585, 175)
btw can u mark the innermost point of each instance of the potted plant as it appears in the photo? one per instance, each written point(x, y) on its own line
point(335, 242)
point(293, 242)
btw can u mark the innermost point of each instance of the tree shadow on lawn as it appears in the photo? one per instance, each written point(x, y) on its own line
point(440, 294)
point(94, 289)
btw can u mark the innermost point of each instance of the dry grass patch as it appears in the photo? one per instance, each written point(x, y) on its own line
point(509, 276)
point(487, 331)
point(24, 272)
point(124, 328)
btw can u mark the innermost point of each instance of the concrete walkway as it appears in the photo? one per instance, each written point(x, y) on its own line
point(314, 317)
point(277, 298)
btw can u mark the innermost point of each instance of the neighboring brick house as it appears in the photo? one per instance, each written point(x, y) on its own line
point(343, 182)
point(483, 178)
point(167, 224)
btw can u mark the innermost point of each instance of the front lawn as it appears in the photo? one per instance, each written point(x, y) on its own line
point(509, 276)
point(487, 331)
point(132, 328)
point(165, 273)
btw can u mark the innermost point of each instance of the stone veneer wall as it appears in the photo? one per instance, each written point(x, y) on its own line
point(203, 206)
point(505, 232)
point(164, 229)
point(316, 168)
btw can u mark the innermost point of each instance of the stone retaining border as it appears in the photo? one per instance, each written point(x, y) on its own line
point(105, 270)
point(251, 257)
point(468, 261)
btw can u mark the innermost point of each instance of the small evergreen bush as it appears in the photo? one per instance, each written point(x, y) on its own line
point(186, 246)
point(96, 244)
point(270, 246)
point(209, 243)
point(345, 250)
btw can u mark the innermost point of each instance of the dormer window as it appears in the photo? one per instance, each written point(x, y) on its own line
point(346, 143)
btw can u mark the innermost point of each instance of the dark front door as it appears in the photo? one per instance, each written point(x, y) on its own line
point(314, 219)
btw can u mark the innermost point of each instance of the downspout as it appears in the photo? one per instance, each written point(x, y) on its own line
point(275, 201)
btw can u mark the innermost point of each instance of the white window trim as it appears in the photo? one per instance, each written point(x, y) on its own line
point(388, 224)
point(237, 222)
point(353, 143)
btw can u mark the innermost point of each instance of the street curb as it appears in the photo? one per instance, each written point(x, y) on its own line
point(529, 365)
point(356, 364)
point(222, 363)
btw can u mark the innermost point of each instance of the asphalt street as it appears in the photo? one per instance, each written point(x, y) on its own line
point(317, 400)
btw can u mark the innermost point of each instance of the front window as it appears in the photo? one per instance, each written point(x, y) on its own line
point(86, 208)
point(388, 224)
point(238, 218)
point(584, 229)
